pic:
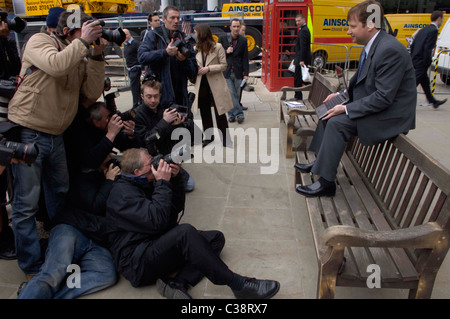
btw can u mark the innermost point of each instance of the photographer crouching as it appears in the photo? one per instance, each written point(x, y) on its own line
point(152, 119)
point(56, 68)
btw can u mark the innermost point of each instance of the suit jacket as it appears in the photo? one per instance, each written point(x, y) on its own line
point(238, 60)
point(217, 63)
point(303, 46)
point(383, 98)
point(423, 45)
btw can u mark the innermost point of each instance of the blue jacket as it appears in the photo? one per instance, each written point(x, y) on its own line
point(152, 52)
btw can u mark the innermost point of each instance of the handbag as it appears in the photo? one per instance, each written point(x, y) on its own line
point(292, 67)
point(306, 77)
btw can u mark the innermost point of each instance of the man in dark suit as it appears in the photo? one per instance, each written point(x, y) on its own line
point(235, 46)
point(382, 103)
point(130, 50)
point(302, 52)
point(421, 53)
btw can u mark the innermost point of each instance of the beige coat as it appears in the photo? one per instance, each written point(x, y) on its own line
point(47, 99)
point(217, 63)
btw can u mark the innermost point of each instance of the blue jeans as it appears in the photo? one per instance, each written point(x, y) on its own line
point(234, 86)
point(68, 246)
point(50, 168)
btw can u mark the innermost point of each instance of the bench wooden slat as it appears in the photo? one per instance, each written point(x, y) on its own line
point(379, 257)
point(412, 212)
point(399, 188)
point(399, 256)
point(359, 257)
point(393, 183)
point(385, 169)
point(402, 211)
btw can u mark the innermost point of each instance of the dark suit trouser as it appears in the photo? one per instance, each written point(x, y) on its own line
point(135, 84)
point(423, 79)
point(194, 254)
point(298, 81)
point(329, 142)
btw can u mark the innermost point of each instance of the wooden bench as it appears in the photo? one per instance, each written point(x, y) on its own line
point(303, 120)
point(391, 209)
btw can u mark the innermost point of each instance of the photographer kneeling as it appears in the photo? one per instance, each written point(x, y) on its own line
point(55, 69)
point(148, 244)
point(152, 118)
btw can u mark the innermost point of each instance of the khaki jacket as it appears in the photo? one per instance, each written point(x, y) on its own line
point(47, 99)
point(217, 63)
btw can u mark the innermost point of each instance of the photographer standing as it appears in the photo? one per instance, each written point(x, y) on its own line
point(56, 68)
point(9, 67)
point(165, 59)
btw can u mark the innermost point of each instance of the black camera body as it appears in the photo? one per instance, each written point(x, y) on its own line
point(181, 45)
point(17, 24)
point(117, 36)
point(181, 109)
point(24, 152)
point(112, 107)
point(150, 140)
point(115, 162)
point(174, 157)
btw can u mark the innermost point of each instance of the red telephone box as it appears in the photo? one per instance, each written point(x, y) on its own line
point(279, 35)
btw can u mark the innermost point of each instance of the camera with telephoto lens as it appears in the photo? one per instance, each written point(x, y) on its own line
point(150, 142)
point(112, 107)
point(117, 36)
point(23, 152)
point(181, 109)
point(175, 157)
point(17, 24)
point(181, 45)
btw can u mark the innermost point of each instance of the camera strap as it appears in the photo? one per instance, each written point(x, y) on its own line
point(33, 68)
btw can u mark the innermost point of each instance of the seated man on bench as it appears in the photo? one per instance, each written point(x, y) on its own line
point(382, 99)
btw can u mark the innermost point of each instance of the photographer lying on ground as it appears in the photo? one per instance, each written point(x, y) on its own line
point(148, 244)
point(78, 239)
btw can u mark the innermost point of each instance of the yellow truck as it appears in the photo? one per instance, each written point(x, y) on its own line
point(35, 8)
point(404, 25)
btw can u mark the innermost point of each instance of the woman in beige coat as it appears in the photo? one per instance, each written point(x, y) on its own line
point(211, 89)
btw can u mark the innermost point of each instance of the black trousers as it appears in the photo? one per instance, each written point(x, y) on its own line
point(194, 254)
point(423, 79)
point(205, 102)
point(135, 84)
point(298, 81)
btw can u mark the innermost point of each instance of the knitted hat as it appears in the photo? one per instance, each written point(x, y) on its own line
point(53, 16)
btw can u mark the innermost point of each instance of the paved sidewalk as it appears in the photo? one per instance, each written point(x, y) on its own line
point(264, 220)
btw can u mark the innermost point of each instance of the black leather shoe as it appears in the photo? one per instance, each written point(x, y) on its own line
point(257, 289)
point(304, 168)
point(8, 253)
point(439, 102)
point(172, 289)
point(317, 189)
